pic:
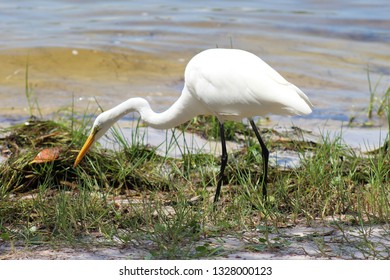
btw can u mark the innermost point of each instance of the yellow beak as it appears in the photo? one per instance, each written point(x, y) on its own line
point(84, 149)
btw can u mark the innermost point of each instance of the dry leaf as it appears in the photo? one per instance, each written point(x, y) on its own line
point(47, 155)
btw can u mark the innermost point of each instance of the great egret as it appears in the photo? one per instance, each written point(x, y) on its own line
point(231, 84)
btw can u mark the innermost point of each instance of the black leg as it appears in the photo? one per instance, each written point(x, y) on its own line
point(224, 159)
point(265, 155)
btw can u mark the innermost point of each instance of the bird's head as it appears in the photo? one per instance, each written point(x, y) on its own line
point(102, 123)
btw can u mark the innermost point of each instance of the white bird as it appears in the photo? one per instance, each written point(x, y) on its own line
point(231, 84)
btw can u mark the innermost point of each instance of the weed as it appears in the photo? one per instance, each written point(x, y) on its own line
point(208, 128)
point(378, 104)
point(136, 196)
point(32, 103)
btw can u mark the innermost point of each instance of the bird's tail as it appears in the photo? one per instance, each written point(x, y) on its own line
point(307, 106)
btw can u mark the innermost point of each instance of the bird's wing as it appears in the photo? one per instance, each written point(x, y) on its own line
point(237, 83)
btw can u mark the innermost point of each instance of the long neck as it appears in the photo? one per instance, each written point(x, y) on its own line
point(184, 109)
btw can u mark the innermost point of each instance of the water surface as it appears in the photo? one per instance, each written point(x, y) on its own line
point(111, 51)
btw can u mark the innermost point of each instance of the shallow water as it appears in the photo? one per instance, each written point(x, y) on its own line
point(110, 51)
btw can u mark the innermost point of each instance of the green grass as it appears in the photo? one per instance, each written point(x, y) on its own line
point(137, 196)
point(377, 106)
point(208, 128)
